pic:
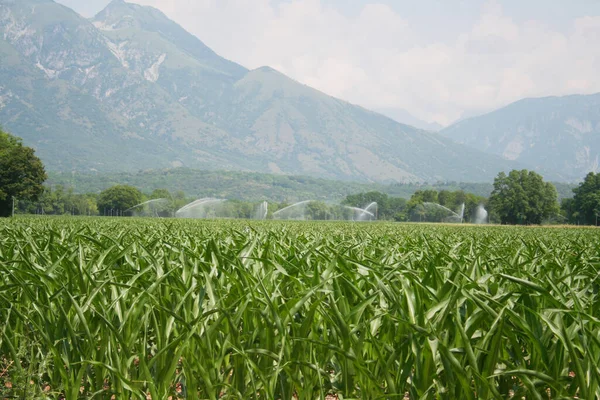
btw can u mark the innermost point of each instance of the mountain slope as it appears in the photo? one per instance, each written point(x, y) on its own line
point(552, 133)
point(139, 119)
point(132, 90)
point(146, 42)
point(286, 120)
point(125, 18)
point(406, 118)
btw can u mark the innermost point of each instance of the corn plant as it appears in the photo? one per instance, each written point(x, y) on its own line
point(135, 309)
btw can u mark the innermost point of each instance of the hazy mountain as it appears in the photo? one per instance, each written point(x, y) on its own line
point(405, 117)
point(131, 90)
point(146, 42)
point(66, 93)
point(552, 133)
point(470, 114)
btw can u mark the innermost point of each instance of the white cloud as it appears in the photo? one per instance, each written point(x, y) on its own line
point(375, 58)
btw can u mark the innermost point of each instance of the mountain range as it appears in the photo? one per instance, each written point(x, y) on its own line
point(561, 134)
point(132, 90)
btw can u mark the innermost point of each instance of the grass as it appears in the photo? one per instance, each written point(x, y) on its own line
point(131, 308)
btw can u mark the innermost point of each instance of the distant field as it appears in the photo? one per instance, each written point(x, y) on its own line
point(130, 308)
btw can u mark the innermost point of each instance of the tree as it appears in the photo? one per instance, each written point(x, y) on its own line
point(586, 203)
point(447, 198)
point(21, 173)
point(317, 210)
point(58, 200)
point(388, 208)
point(362, 200)
point(424, 196)
point(161, 194)
point(522, 197)
point(118, 199)
point(163, 209)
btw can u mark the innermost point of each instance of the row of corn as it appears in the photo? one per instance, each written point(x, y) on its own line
point(100, 308)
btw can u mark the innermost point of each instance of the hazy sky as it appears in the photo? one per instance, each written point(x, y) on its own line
point(437, 59)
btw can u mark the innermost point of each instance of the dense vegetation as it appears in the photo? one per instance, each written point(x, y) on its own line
point(117, 201)
point(130, 307)
point(522, 197)
point(119, 197)
point(584, 208)
point(250, 186)
point(21, 173)
point(423, 206)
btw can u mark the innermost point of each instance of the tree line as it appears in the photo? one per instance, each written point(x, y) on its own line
point(519, 197)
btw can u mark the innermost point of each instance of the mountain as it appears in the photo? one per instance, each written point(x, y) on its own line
point(405, 117)
point(131, 90)
point(551, 133)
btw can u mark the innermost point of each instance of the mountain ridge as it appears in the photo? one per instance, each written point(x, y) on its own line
point(552, 132)
point(152, 19)
point(157, 96)
point(405, 117)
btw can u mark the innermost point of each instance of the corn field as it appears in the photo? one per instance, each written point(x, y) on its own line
point(137, 309)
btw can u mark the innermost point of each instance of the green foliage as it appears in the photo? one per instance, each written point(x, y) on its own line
point(247, 186)
point(21, 173)
point(428, 195)
point(120, 197)
point(585, 208)
point(451, 200)
point(388, 208)
point(60, 201)
point(522, 197)
point(131, 308)
point(318, 210)
point(161, 194)
point(252, 186)
point(568, 211)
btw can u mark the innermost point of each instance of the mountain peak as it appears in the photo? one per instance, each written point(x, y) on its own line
point(118, 4)
point(266, 68)
point(135, 20)
point(120, 14)
point(272, 73)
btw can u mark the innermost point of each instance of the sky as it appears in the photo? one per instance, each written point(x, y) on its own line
point(441, 60)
